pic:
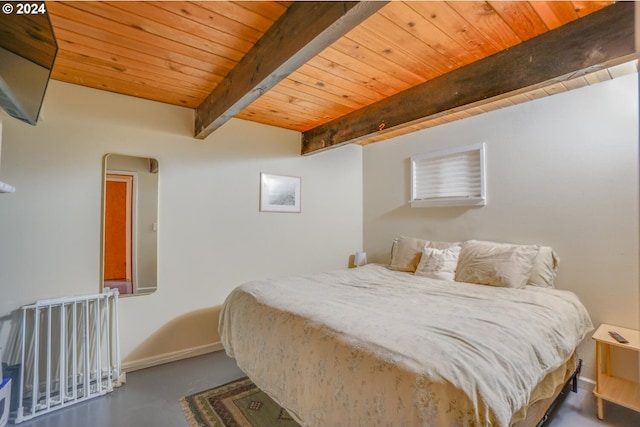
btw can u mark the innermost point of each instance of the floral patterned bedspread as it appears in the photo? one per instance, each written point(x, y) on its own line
point(375, 347)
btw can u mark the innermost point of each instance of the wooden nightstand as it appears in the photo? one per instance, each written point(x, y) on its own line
point(608, 387)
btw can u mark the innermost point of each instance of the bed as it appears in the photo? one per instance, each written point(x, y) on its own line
point(382, 345)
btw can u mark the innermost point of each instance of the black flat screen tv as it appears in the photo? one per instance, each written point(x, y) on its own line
point(27, 52)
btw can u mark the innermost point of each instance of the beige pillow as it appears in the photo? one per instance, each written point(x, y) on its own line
point(406, 253)
point(496, 264)
point(545, 267)
point(439, 263)
point(443, 245)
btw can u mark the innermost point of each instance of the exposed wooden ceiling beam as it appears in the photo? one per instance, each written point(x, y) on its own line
point(303, 31)
point(600, 39)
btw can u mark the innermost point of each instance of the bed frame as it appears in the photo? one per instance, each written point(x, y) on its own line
point(540, 412)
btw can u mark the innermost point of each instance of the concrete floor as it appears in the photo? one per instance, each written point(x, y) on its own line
point(150, 399)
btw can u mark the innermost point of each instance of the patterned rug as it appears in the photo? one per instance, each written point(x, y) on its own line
point(236, 404)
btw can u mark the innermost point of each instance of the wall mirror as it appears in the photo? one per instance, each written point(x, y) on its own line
point(130, 224)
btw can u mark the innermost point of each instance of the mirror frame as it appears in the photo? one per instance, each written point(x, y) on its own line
point(141, 224)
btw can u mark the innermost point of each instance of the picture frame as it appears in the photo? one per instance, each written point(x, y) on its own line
point(279, 193)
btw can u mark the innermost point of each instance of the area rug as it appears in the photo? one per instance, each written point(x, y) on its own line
point(236, 404)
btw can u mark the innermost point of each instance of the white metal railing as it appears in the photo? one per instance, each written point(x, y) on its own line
point(70, 352)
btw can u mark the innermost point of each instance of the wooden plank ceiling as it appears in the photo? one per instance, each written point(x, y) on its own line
point(179, 52)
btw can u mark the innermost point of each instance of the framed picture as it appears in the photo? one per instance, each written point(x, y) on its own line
point(279, 193)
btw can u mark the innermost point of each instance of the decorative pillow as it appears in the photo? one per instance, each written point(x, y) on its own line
point(496, 264)
point(545, 267)
point(439, 263)
point(406, 253)
point(443, 245)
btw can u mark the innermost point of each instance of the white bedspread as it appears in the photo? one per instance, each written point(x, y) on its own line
point(370, 346)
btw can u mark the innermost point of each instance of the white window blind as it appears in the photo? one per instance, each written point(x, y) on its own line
point(449, 178)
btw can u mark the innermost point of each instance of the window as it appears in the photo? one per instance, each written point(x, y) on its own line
point(449, 178)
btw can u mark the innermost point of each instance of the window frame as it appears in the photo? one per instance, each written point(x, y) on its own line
point(454, 200)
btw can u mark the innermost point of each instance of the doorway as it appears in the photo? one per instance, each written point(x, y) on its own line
point(118, 242)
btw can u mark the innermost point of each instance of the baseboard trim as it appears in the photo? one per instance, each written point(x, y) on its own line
point(135, 365)
point(586, 383)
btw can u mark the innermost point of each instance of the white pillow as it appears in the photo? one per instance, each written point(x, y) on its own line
point(496, 264)
point(439, 263)
point(406, 252)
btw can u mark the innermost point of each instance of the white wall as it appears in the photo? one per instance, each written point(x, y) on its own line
point(562, 171)
point(211, 235)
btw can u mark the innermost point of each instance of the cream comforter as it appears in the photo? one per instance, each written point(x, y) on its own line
point(374, 347)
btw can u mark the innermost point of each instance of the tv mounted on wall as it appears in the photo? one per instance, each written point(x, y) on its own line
point(27, 52)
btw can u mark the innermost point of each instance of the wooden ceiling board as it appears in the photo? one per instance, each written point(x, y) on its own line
point(85, 29)
point(320, 92)
point(312, 75)
point(594, 42)
point(237, 25)
point(179, 52)
point(555, 13)
point(521, 17)
point(132, 18)
point(326, 75)
point(179, 26)
point(352, 69)
point(403, 47)
point(114, 82)
point(96, 50)
point(143, 65)
point(308, 107)
point(305, 95)
point(442, 50)
point(119, 82)
point(266, 12)
point(450, 22)
point(174, 52)
point(117, 50)
point(302, 32)
point(136, 73)
point(584, 8)
point(443, 36)
point(354, 49)
point(284, 111)
point(487, 21)
point(143, 18)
